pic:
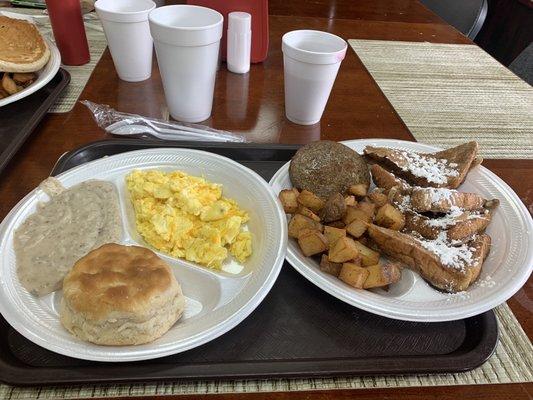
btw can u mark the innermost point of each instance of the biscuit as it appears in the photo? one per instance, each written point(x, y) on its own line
point(120, 295)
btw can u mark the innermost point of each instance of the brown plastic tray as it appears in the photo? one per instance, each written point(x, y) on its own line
point(19, 119)
point(297, 331)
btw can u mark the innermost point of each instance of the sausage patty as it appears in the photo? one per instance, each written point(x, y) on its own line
point(327, 167)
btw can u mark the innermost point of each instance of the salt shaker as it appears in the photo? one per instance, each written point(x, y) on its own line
point(69, 31)
point(239, 42)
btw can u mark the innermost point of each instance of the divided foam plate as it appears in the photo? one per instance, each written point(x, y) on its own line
point(216, 301)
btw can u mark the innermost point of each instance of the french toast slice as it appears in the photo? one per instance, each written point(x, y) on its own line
point(458, 226)
point(444, 169)
point(465, 156)
point(452, 269)
point(386, 180)
point(441, 200)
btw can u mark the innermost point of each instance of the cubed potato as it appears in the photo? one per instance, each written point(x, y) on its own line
point(382, 275)
point(356, 261)
point(305, 231)
point(334, 208)
point(333, 234)
point(364, 240)
point(378, 198)
point(356, 228)
point(394, 193)
point(390, 217)
point(9, 84)
point(353, 213)
point(348, 216)
point(312, 242)
point(299, 222)
point(353, 275)
point(368, 256)
point(350, 201)
point(24, 78)
point(367, 207)
point(337, 224)
point(329, 267)
point(289, 200)
point(344, 249)
point(307, 213)
point(358, 190)
point(310, 200)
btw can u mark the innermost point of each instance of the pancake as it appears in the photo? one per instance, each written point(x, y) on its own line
point(22, 48)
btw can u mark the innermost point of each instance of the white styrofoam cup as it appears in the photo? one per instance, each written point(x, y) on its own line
point(311, 60)
point(187, 41)
point(128, 36)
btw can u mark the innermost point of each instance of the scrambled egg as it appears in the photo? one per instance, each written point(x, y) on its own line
point(187, 216)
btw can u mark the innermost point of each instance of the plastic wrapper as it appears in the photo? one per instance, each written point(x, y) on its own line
point(124, 124)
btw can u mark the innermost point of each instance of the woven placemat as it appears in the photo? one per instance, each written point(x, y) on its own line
point(511, 363)
point(448, 93)
point(79, 75)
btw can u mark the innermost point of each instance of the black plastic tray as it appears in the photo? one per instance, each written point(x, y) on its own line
point(19, 119)
point(297, 331)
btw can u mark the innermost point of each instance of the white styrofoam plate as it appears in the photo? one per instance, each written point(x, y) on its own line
point(216, 301)
point(506, 269)
point(45, 75)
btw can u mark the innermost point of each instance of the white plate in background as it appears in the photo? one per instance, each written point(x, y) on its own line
point(45, 75)
point(505, 270)
point(216, 301)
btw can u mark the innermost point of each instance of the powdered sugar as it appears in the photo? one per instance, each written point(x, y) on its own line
point(482, 214)
point(454, 216)
point(432, 169)
point(448, 220)
point(405, 204)
point(461, 295)
point(456, 257)
point(486, 282)
point(437, 195)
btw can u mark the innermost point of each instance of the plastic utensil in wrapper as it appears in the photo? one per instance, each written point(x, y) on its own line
point(124, 124)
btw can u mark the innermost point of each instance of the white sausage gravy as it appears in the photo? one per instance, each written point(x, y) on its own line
point(64, 229)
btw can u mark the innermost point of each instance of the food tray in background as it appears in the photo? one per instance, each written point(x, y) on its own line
point(297, 331)
point(20, 118)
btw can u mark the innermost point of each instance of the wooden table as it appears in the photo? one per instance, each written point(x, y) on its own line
point(254, 105)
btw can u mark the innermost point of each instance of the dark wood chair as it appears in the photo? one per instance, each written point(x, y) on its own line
point(466, 16)
point(523, 64)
